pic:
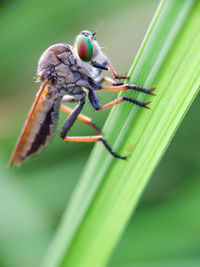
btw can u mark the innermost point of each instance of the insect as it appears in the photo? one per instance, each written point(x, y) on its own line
point(68, 74)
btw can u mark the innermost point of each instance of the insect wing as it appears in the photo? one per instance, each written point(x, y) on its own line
point(31, 127)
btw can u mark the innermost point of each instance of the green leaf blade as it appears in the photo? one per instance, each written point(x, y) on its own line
point(110, 189)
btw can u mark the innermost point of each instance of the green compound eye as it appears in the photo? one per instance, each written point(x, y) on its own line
point(84, 47)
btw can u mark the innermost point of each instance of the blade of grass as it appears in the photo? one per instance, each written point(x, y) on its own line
point(109, 189)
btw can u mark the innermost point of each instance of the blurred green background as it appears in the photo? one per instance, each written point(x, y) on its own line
point(165, 230)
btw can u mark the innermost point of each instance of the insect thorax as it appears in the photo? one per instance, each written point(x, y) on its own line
point(61, 66)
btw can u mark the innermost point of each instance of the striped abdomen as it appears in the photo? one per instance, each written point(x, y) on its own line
point(39, 128)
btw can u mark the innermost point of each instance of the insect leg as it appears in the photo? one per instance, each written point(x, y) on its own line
point(95, 103)
point(97, 138)
point(108, 80)
point(114, 72)
point(94, 85)
point(100, 66)
point(71, 119)
point(82, 118)
point(125, 87)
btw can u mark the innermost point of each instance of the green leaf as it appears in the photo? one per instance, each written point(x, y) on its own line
point(109, 189)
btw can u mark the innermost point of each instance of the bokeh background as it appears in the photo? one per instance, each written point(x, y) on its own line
point(165, 230)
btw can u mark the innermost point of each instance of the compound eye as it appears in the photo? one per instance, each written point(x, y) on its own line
point(84, 48)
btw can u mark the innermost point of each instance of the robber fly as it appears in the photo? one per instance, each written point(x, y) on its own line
point(68, 74)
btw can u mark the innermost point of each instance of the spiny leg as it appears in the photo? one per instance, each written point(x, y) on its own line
point(69, 122)
point(97, 138)
point(125, 87)
point(95, 103)
point(108, 80)
point(114, 72)
point(102, 66)
point(82, 118)
point(95, 85)
point(71, 119)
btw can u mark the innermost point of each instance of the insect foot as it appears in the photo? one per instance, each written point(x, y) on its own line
point(110, 150)
point(140, 89)
point(152, 89)
point(122, 76)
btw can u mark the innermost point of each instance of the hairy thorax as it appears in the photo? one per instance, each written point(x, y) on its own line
point(59, 65)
